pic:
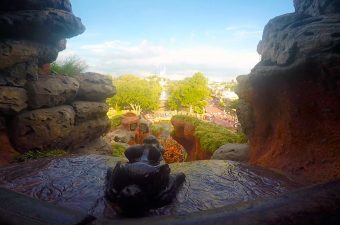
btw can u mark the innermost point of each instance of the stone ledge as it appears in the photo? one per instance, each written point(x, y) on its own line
point(12, 100)
point(10, 5)
point(95, 87)
point(47, 26)
point(51, 91)
point(319, 204)
point(18, 209)
point(13, 52)
point(89, 110)
point(42, 128)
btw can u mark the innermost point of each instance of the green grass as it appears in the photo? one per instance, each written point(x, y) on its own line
point(118, 150)
point(69, 67)
point(40, 154)
point(212, 136)
point(116, 121)
point(115, 117)
point(156, 129)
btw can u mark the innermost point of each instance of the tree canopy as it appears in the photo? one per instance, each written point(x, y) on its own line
point(191, 93)
point(135, 92)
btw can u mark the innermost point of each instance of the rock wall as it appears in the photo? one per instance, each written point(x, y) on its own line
point(291, 100)
point(37, 110)
point(184, 133)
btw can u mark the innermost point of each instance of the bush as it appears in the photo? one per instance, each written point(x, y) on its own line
point(173, 151)
point(156, 129)
point(116, 121)
point(40, 154)
point(118, 150)
point(70, 66)
point(212, 136)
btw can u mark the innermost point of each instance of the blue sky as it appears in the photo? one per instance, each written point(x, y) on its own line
point(174, 38)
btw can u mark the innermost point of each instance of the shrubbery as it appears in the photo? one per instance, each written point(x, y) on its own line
point(212, 136)
point(156, 129)
point(70, 66)
point(116, 121)
point(118, 150)
point(40, 154)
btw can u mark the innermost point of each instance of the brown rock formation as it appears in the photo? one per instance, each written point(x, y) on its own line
point(95, 87)
point(7, 152)
point(233, 152)
point(13, 52)
point(50, 91)
point(87, 131)
point(47, 26)
point(292, 95)
point(10, 5)
point(89, 110)
point(317, 7)
point(37, 111)
point(16, 75)
point(12, 100)
point(185, 135)
point(42, 128)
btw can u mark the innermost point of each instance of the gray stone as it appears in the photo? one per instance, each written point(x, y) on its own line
point(245, 116)
point(17, 75)
point(120, 135)
point(233, 152)
point(87, 131)
point(89, 110)
point(95, 87)
point(12, 100)
point(244, 110)
point(47, 26)
point(18, 208)
point(317, 7)
point(97, 147)
point(61, 45)
point(294, 92)
point(9, 5)
point(50, 91)
point(291, 37)
point(42, 128)
point(13, 52)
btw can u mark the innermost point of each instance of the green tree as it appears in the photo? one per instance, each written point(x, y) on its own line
point(135, 93)
point(230, 106)
point(230, 86)
point(191, 93)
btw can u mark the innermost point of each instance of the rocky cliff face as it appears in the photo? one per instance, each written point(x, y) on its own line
point(42, 111)
point(184, 133)
point(291, 100)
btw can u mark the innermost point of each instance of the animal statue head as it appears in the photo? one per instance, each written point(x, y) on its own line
point(144, 182)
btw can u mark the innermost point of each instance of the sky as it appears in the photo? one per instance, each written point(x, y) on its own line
point(172, 38)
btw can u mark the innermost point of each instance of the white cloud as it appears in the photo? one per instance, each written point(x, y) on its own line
point(244, 31)
point(119, 57)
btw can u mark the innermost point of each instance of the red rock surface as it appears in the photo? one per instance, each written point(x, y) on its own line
point(7, 152)
point(297, 129)
point(291, 100)
point(184, 133)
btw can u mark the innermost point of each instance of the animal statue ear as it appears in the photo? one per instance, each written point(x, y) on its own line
point(133, 153)
point(151, 140)
point(155, 154)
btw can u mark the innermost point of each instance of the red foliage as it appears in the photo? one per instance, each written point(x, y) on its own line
point(173, 151)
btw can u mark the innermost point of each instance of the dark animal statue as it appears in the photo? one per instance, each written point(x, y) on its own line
point(144, 183)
